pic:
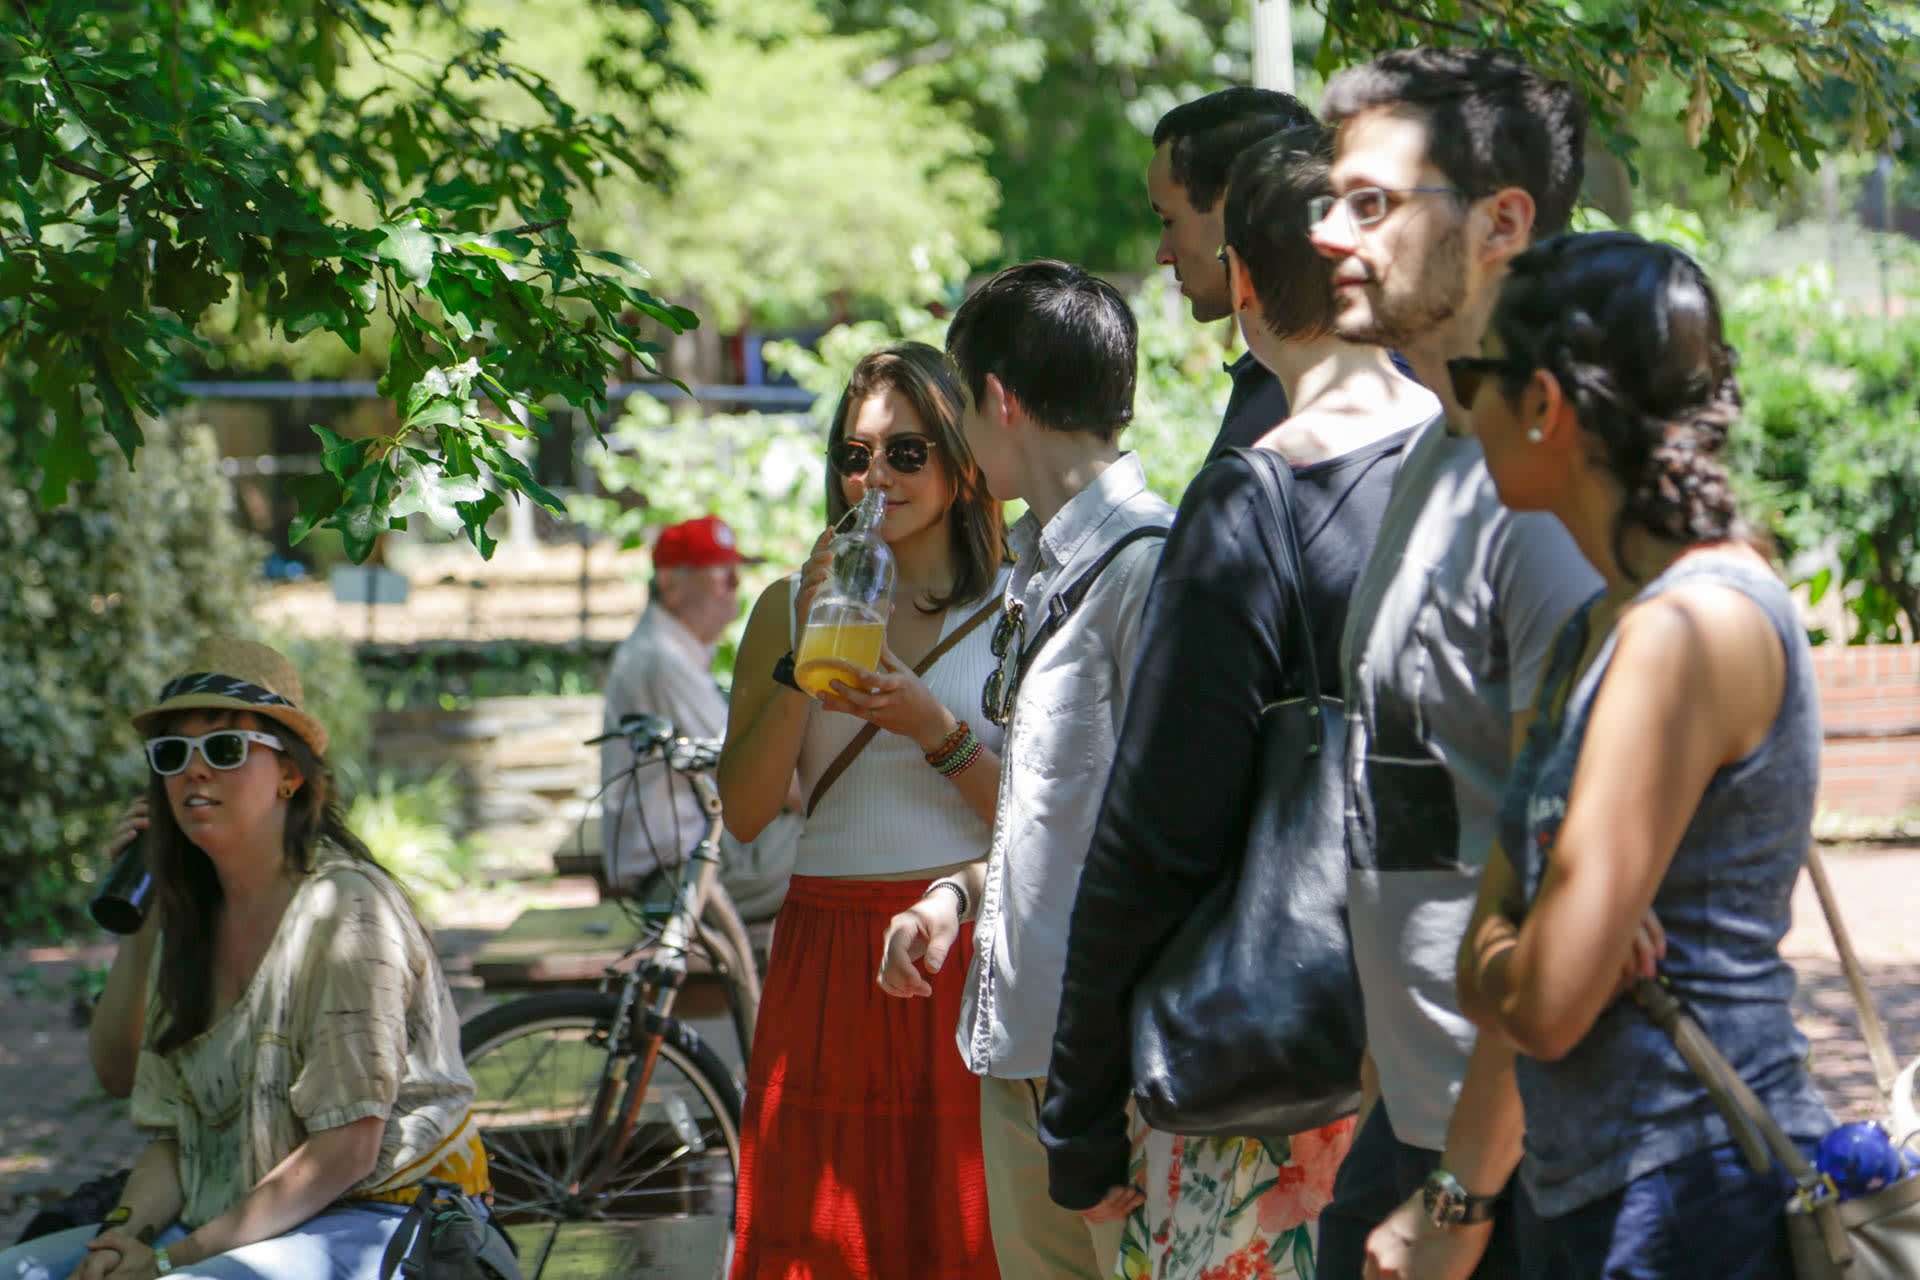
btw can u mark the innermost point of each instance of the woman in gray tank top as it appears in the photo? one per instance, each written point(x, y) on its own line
point(1659, 813)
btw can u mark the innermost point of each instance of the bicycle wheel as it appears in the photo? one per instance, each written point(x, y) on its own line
point(667, 1207)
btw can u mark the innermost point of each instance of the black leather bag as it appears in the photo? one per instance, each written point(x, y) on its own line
point(1249, 1022)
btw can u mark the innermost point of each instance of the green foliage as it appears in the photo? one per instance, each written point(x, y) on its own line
point(167, 156)
point(101, 599)
point(1182, 389)
point(1067, 93)
point(410, 827)
point(1766, 87)
point(1830, 447)
point(337, 694)
point(799, 182)
point(763, 473)
point(453, 675)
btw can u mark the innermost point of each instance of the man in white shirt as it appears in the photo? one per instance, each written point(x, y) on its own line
point(665, 668)
point(1046, 356)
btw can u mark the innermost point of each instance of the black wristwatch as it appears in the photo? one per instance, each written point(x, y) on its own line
point(783, 672)
point(1449, 1205)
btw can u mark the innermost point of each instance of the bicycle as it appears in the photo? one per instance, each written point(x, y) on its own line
point(612, 1128)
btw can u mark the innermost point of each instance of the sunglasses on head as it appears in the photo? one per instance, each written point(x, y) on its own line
point(1468, 372)
point(223, 749)
point(905, 454)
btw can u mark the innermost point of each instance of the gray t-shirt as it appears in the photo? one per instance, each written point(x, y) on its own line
point(1449, 629)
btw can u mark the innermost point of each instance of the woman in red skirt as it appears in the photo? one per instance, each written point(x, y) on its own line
point(862, 1129)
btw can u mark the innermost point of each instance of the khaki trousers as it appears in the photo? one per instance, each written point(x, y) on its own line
point(1033, 1238)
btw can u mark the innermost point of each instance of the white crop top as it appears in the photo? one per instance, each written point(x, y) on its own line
point(889, 812)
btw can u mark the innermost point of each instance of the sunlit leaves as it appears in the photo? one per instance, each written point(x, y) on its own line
point(170, 155)
point(1770, 85)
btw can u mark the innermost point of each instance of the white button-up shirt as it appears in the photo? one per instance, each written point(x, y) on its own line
point(1059, 748)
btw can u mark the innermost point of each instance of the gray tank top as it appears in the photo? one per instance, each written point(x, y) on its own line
point(1623, 1103)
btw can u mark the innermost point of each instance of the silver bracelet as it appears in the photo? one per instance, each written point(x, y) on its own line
point(958, 892)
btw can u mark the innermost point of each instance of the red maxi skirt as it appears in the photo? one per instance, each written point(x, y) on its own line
point(861, 1137)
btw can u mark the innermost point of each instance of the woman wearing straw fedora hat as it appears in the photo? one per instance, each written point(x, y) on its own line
point(300, 1072)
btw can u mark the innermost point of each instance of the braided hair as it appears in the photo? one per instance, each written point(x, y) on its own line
point(1631, 331)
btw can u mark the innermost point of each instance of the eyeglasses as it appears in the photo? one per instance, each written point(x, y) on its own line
point(1368, 205)
point(996, 698)
point(1467, 372)
point(223, 749)
point(905, 454)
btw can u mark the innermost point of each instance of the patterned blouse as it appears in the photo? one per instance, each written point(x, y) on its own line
point(348, 1016)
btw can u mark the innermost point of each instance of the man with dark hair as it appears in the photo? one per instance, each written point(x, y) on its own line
point(1194, 145)
point(1046, 353)
point(1447, 165)
point(1059, 341)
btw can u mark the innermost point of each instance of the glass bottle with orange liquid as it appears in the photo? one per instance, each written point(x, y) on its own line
point(847, 623)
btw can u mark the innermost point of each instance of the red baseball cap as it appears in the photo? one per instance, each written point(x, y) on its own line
point(697, 544)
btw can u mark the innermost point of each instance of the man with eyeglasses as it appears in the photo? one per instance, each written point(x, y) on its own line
point(1447, 164)
point(1194, 145)
point(665, 668)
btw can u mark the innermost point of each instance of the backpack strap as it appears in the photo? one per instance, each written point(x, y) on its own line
point(1061, 606)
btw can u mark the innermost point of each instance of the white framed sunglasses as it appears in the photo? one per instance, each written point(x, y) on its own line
point(223, 749)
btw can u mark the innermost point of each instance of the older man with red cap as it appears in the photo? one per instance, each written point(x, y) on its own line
point(665, 668)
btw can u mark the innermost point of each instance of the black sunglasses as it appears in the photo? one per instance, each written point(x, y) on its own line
point(905, 454)
point(1467, 372)
point(996, 698)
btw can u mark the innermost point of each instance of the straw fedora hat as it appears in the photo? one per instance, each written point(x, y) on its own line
point(239, 675)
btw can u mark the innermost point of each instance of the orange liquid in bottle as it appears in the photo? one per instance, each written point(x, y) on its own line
point(840, 648)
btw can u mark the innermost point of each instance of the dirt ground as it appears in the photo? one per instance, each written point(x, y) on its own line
point(57, 1128)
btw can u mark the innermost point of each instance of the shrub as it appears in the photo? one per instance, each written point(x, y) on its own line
point(101, 599)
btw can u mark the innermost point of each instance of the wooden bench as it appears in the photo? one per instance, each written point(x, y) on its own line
point(554, 947)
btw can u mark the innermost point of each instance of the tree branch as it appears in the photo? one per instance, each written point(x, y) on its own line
point(872, 77)
point(1432, 24)
point(74, 167)
point(533, 228)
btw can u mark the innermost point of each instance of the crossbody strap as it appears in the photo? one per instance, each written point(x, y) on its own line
point(1062, 605)
point(1872, 1030)
point(862, 738)
point(1753, 1127)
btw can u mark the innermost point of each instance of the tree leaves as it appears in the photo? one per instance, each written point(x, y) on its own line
point(411, 250)
point(169, 156)
point(1756, 71)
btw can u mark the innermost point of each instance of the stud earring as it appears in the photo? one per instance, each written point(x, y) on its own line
point(287, 789)
point(1533, 434)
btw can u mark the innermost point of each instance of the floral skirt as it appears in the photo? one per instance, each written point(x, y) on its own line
point(1230, 1208)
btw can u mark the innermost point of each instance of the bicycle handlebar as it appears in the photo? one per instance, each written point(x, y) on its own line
point(648, 734)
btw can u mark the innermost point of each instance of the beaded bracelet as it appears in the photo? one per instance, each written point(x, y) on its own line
point(950, 745)
point(961, 760)
point(958, 892)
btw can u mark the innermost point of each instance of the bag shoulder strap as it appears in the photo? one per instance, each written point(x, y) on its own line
point(1754, 1129)
point(410, 1237)
point(1872, 1030)
point(1275, 476)
point(1062, 605)
point(920, 668)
